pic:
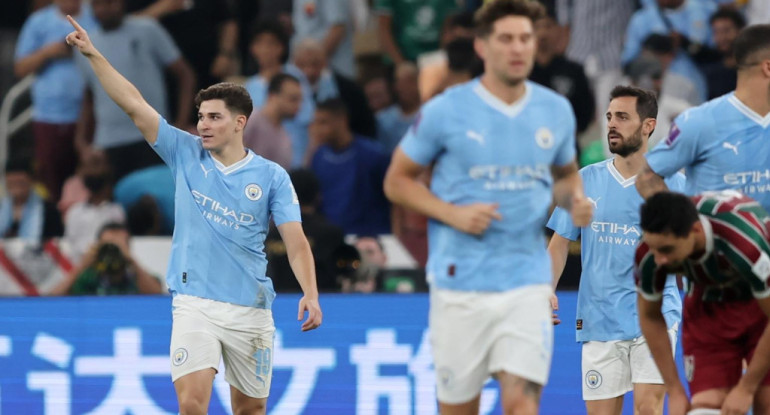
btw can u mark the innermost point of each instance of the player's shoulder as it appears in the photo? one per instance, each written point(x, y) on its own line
point(595, 169)
point(42, 16)
point(453, 95)
point(543, 95)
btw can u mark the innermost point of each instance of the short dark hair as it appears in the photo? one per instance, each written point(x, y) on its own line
point(19, 165)
point(334, 105)
point(306, 185)
point(460, 55)
point(272, 27)
point(112, 226)
point(461, 19)
point(236, 98)
point(277, 81)
point(752, 40)
point(646, 101)
point(495, 10)
point(668, 212)
point(730, 14)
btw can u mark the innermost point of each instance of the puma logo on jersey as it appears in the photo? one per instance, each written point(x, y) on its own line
point(733, 147)
point(594, 202)
point(475, 136)
point(205, 172)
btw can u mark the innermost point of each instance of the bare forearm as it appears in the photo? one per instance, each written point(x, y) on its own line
point(760, 363)
point(655, 332)
point(387, 41)
point(303, 266)
point(648, 183)
point(333, 38)
point(414, 195)
point(34, 61)
point(567, 188)
point(558, 249)
point(117, 87)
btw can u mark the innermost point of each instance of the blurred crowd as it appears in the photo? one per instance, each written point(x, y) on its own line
point(335, 85)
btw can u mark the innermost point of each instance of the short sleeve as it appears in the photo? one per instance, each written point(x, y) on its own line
point(566, 151)
point(164, 49)
point(29, 38)
point(680, 149)
point(168, 143)
point(561, 223)
point(423, 141)
point(284, 203)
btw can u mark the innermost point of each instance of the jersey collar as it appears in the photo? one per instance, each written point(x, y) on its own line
point(510, 110)
point(233, 167)
point(619, 177)
point(764, 122)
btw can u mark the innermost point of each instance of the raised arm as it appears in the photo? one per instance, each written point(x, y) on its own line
point(648, 182)
point(303, 266)
point(125, 94)
point(568, 193)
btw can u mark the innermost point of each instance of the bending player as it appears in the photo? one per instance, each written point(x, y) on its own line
point(225, 197)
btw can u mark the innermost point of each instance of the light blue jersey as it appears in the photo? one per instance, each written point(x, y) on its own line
point(222, 218)
point(606, 308)
point(722, 144)
point(488, 151)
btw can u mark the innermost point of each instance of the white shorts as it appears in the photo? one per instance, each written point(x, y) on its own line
point(207, 331)
point(611, 368)
point(476, 334)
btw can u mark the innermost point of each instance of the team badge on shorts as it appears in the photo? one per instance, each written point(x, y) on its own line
point(445, 377)
point(544, 138)
point(253, 192)
point(593, 379)
point(179, 357)
point(689, 367)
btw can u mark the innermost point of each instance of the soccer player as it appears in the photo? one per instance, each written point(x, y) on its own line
point(225, 197)
point(616, 358)
point(722, 144)
point(719, 241)
point(499, 146)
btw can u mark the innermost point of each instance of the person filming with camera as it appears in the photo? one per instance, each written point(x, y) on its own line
point(108, 268)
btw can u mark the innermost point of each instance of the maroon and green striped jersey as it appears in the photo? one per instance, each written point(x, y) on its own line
point(736, 262)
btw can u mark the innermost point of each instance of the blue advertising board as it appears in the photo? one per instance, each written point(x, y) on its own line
point(110, 355)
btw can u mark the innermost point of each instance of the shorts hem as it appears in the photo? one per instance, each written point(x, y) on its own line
point(606, 396)
point(174, 378)
point(250, 395)
point(648, 381)
point(457, 399)
point(542, 381)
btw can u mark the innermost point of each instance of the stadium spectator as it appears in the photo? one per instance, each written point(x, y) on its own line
point(718, 240)
point(270, 48)
point(393, 121)
point(408, 29)
point(434, 65)
point(488, 200)
point(143, 51)
point(615, 358)
point(722, 76)
point(58, 89)
point(323, 236)
point(661, 48)
point(564, 76)
point(351, 170)
point(686, 21)
point(109, 268)
point(84, 219)
point(157, 182)
point(264, 133)
point(330, 23)
point(325, 83)
point(378, 93)
point(23, 213)
point(722, 144)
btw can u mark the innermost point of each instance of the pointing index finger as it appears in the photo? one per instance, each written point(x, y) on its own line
point(75, 24)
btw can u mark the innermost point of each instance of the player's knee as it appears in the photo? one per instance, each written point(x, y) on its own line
point(192, 404)
point(254, 407)
point(524, 400)
point(649, 407)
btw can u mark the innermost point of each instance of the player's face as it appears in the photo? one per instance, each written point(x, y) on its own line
point(509, 51)
point(323, 127)
point(669, 250)
point(625, 127)
point(724, 32)
point(19, 185)
point(267, 49)
point(289, 99)
point(68, 6)
point(108, 12)
point(311, 63)
point(217, 126)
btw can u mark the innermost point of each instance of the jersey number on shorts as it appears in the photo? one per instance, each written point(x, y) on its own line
point(263, 358)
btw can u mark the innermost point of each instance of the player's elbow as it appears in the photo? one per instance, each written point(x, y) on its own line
point(21, 69)
point(391, 186)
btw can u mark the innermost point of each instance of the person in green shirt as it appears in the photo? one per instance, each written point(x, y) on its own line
point(108, 268)
point(408, 28)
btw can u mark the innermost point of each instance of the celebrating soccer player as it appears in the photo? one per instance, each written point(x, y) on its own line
point(501, 145)
point(225, 197)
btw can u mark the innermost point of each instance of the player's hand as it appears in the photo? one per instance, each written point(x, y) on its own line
point(678, 402)
point(738, 401)
point(79, 38)
point(474, 218)
point(582, 210)
point(555, 307)
point(314, 317)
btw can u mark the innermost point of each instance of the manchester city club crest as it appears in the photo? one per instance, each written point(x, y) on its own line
point(544, 138)
point(253, 192)
point(179, 357)
point(593, 379)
